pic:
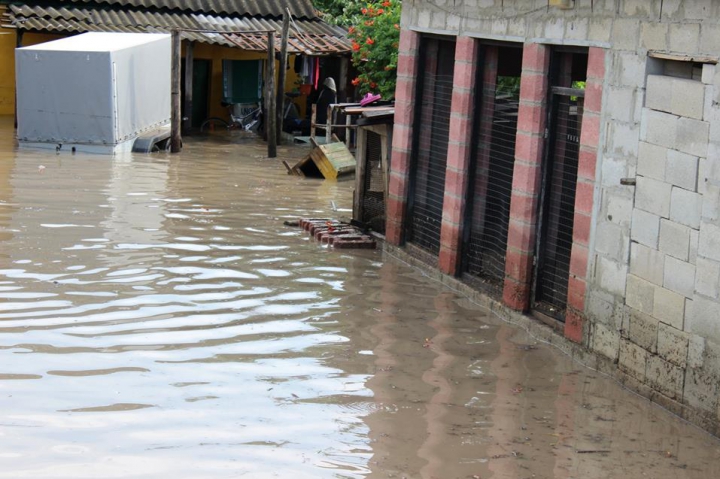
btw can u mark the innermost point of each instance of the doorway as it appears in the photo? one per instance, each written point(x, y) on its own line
point(559, 182)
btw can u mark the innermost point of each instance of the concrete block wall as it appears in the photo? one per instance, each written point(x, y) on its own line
point(645, 284)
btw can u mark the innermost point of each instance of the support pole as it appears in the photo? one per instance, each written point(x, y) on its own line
point(187, 111)
point(270, 98)
point(280, 102)
point(175, 115)
point(343, 80)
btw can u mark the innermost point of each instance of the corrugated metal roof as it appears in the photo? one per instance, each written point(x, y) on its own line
point(313, 38)
point(264, 8)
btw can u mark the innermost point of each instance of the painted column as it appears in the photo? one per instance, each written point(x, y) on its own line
point(402, 135)
point(589, 139)
point(458, 159)
point(526, 176)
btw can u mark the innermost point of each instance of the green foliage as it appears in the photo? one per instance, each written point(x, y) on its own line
point(375, 37)
point(340, 12)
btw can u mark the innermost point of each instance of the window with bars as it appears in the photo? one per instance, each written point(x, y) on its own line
point(559, 183)
point(430, 144)
point(497, 94)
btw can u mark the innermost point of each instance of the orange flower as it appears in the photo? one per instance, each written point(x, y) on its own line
point(356, 81)
point(380, 11)
point(369, 23)
point(385, 4)
point(364, 11)
point(373, 85)
point(355, 46)
point(351, 30)
point(369, 41)
point(397, 27)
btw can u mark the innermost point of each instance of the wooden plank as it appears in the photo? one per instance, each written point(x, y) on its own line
point(270, 97)
point(360, 173)
point(280, 100)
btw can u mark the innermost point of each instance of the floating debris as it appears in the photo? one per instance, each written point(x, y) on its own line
point(337, 234)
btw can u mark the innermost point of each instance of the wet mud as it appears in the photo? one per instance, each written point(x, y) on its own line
point(157, 319)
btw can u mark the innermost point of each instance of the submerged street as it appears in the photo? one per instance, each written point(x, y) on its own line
point(157, 319)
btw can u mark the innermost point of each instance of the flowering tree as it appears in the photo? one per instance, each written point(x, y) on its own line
point(375, 39)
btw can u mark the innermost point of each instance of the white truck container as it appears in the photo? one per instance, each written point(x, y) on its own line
point(95, 92)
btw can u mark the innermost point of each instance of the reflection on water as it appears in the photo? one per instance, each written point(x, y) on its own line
point(158, 320)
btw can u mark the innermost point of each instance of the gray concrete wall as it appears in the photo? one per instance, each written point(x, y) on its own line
point(653, 298)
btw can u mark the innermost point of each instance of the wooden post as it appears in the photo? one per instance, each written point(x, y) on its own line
point(342, 80)
point(328, 128)
point(18, 44)
point(313, 119)
point(187, 113)
point(175, 137)
point(270, 98)
point(280, 103)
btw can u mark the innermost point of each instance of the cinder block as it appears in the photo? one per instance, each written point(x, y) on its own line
point(640, 294)
point(606, 341)
point(620, 102)
point(653, 196)
point(630, 68)
point(665, 377)
point(652, 160)
point(577, 29)
point(643, 330)
point(625, 34)
point(645, 228)
point(702, 318)
point(618, 207)
point(611, 240)
point(633, 359)
point(659, 128)
point(672, 345)
point(611, 275)
point(685, 207)
point(684, 37)
point(681, 170)
point(654, 35)
point(669, 307)
point(711, 203)
point(679, 276)
point(692, 136)
point(687, 98)
point(647, 263)
point(694, 240)
point(658, 93)
point(674, 239)
point(709, 244)
point(708, 70)
point(707, 277)
point(599, 29)
point(622, 138)
point(701, 390)
point(709, 38)
point(696, 351)
point(613, 169)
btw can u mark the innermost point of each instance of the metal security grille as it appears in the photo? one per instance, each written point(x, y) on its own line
point(558, 203)
point(492, 164)
point(432, 128)
point(373, 203)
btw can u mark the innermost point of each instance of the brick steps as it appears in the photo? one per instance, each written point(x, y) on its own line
point(337, 234)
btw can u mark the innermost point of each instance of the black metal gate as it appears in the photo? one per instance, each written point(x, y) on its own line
point(491, 167)
point(558, 202)
point(373, 198)
point(430, 143)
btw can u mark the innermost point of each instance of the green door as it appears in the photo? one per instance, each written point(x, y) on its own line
point(201, 90)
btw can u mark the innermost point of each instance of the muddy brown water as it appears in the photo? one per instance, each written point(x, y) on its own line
point(158, 320)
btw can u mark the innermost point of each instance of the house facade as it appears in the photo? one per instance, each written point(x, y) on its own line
point(223, 43)
point(561, 156)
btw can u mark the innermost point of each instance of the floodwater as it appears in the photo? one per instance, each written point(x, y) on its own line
point(158, 320)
